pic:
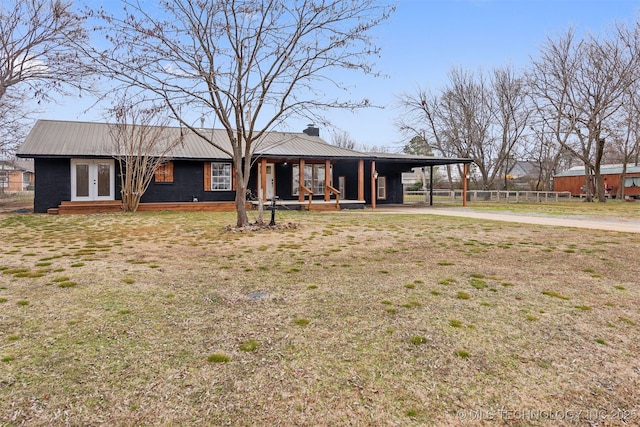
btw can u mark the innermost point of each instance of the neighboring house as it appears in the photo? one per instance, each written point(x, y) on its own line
point(524, 174)
point(573, 180)
point(16, 175)
point(75, 162)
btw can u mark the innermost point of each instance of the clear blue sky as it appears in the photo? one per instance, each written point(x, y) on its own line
point(425, 38)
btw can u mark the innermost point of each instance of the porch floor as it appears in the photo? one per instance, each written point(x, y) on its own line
point(112, 206)
point(316, 205)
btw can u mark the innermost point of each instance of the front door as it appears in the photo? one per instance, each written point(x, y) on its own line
point(271, 179)
point(92, 180)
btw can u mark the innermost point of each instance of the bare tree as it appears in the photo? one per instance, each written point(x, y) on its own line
point(37, 55)
point(579, 85)
point(512, 117)
point(247, 65)
point(424, 118)
point(625, 134)
point(14, 122)
point(473, 116)
point(343, 140)
point(548, 156)
point(141, 141)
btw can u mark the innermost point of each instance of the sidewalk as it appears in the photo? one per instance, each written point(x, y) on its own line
point(558, 221)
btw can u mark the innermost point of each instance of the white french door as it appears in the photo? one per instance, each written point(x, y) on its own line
point(92, 180)
point(271, 180)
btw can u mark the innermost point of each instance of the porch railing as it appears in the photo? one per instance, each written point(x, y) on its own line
point(307, 192)
point(335, 191)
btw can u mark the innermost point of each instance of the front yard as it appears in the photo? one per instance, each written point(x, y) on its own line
point(339, 319)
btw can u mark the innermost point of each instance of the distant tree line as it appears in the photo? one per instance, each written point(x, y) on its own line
point(578, 101)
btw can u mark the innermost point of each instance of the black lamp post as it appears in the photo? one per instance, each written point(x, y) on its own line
point(273, 211)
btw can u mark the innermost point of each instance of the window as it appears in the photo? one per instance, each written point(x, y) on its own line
point(164, 172)
point(4, 179)
point(632, 182)
point(313, 178)
point(220, 176)
point(382, 187)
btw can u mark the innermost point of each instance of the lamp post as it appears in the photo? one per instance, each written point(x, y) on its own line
point(273, 211)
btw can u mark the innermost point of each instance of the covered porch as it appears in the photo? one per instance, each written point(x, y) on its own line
point(336, 183)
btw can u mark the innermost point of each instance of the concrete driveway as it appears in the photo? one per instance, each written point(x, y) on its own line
point(631, 226)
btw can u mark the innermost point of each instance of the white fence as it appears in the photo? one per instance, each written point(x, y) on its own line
point(489, 196)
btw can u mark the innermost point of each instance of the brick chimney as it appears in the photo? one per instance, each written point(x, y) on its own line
point(312, 130)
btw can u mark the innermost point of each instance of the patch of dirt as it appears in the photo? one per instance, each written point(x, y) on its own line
point(10, 203)
point(261, 227)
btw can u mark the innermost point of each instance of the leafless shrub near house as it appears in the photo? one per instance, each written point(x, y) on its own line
point(141, 141)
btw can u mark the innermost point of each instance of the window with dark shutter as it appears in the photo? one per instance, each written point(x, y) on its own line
point(164, 173)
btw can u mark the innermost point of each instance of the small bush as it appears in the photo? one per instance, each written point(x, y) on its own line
point(218, 358)
point(455, 323)
point(462, 353)
point(249, 345)
point(627, 320)
point(301, 321)
point(463, 295)
point(418, 340)
point(67, 284)
point(555, 295)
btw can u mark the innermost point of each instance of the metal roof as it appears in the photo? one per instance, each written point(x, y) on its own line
point(283, 144)
point(52, 138)
point(415, 159)
point(55, 138)
point(604, 170)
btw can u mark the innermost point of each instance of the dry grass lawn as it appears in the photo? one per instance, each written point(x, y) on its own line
point(345, 319)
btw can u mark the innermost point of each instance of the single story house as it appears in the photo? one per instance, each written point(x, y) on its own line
point(16, 175)
point(573, 180)
point(75, 164)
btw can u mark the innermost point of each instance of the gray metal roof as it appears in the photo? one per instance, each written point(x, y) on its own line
point(282, 144)
point(415, 159)
point(54, 138)
point(604, 170)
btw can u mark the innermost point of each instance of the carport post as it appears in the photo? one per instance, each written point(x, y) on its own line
point(431, 185)
point(465, 176)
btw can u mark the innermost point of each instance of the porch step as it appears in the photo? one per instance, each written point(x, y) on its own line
point(90, 207)
point(190, 206)
point(321, 207)
point(53, 211)
point(113, 206)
